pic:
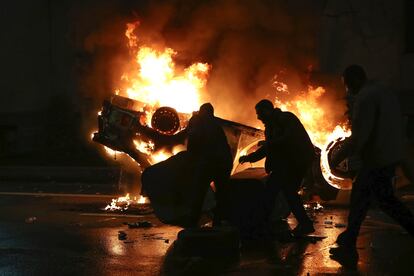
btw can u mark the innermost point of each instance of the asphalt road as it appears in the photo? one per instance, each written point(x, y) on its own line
point(69, 234)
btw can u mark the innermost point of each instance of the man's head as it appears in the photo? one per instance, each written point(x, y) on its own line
point(206, 110)
point(264, 110)
point(354, 78)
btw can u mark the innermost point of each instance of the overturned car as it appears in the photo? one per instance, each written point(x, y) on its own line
point(126, 125)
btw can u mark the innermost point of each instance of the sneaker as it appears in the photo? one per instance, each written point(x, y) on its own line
point(347, 256)
point(303, 230)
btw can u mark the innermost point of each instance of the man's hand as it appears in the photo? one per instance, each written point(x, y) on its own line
point(243, 159)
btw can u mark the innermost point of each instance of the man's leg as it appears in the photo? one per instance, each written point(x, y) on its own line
point(220, 179)
point(359, 205)
point(296, 205)
point(264, 225)
point(272, 188)
point(290, 188)
point(388, 202)
point(346, 252)
point(200, 184)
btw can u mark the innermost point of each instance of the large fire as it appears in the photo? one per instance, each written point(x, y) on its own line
point(155, 80)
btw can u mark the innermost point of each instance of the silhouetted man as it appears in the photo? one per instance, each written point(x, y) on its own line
point(211, 156)
point(289, 154)
point(376, 148)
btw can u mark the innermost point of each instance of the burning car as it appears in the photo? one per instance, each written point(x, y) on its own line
point(121, 129)
point(146, 116)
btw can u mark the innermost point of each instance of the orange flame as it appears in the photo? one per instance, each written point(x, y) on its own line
point(144, 147)
point(122, 203)
point(306, 105)
point(157, 82)
point(129, 33)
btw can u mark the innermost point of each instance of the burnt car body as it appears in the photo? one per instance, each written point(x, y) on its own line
point(122, 120)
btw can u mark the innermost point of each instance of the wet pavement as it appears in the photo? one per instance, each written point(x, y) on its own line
point(70, 235)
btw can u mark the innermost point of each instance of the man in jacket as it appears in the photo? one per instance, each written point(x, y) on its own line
point(289, 154)
point(211, 156)
point(376, 148)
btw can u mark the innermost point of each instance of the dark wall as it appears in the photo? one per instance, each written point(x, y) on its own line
point(39, 102)
point(25, 55)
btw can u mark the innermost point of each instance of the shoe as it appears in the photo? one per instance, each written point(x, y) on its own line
point(344, 239)
point(347, 256)
point(303, 230)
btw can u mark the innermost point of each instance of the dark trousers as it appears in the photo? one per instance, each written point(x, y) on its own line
point(204, 173)
point(377, 184)
point(287, 182)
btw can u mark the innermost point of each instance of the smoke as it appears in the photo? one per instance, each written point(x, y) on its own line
point(246, 42)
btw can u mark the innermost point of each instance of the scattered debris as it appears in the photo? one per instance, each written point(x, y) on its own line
point(140, 224)
point(155, 236)
point(30, 219)
point(122, 235)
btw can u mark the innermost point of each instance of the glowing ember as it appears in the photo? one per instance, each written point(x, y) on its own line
point(122, 203)
point(160, 156)
point(144, 147)
point(313, 206)
point(142, 200)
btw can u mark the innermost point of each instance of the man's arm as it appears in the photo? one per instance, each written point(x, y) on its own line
point(259, 154)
